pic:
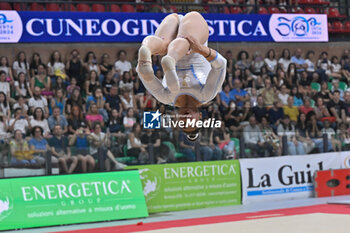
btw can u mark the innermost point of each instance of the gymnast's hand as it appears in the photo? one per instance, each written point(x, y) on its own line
point(196, 46)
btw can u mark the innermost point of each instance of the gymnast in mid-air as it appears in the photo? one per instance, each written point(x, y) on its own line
point(193, 72)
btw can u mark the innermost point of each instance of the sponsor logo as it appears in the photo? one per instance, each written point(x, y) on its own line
point(151, 183)
point(347, 161)
point(151, 120)
point(10, 27)
point(6, 206)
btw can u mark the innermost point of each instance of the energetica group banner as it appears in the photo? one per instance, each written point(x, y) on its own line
point(35, 27)
point(181, 186)
point(67, 199)
point(287, 177)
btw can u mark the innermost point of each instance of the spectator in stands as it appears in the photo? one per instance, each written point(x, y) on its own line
point(259, 110)
point(4, 85)
point(108, 82)
point(59, 101)
point(283, 95)
point(93, 116)
point(242, 60)
point(257, 63)
point(75, 99)
point(90, 64)
point(41, 81)
point(336, 107)
point(115, 125)
point(253, 97)
point(129, 120)
point(286, 128)
point(105, 67)
point(280, 78)
point(56, 67)
point(59, 84)
point(61, 150)
point(271, 62)
point(230, 62)
point(347, 106)
point(40, 145)
point(20, 65)
point(299, 61)
point(4, 105)
point(344, 135)
point(147, 102)
point(38, 119)
point(122, 65)
point(151, 138)
point(292, 75)
point(35, 62)
point(325, 94)
point(208, 149)
point(21, 103)
point(327, 129)
point(72, 85)
point(346, 67)
point(79, 141)
point(298, 98)
point(291, 110)
point(20, 153)
point(91, 83)
point(324, 66)
point(4, 135)
point(254, 140)
point(187, 147)
point(113, 100)
point(58, 119)
point(99, 144)
point(321, 110)
point(74, 66)
point(126, 81)
point(315, 134)
point(223, 141)
point(246, 113)
point(269, 136)
point(22, 87)
point(276, 114)
point(306, 108)
point(238, 94)
point(301, 133)
point(268, 93)
point(225, 97)
point(5, 66)
point(135, 147)
point(128, 100)
point(19, 122)
point(335, 87)
point(76, 120)
point(98, 98)
point(304, 84)
point(232, 119)
point(284, 60)
point(335, 68)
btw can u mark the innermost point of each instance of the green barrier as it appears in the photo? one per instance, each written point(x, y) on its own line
point(182, 186)
point(67, 199)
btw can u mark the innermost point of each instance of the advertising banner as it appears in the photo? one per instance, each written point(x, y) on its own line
point(345, 155)
point(182, 186)
point(67, 199)
point(34, 27)
point(287, 177)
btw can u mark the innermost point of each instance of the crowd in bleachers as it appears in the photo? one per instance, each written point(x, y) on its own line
point(82, 105)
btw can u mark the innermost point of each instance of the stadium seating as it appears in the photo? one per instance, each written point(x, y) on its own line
point(128, 8)
point(52, 7)
point(5, 6)
point(274, 10)
point(262, 10)
point(334, 13)
point(98, 8)
point(83, 7)
point(37, 7)
point(309, 10)
point(20, 6)
point(114, 8)
point(236, 10)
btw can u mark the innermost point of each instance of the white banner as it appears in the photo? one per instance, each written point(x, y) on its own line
point(345, 159)
point(284, 177)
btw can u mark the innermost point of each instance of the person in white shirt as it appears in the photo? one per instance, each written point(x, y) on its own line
point(270, 61)
point(38, 101)
point(56, 66)
point(4, 65)
point(323, 63)
point(90, 63)
point(335, 68)
point(4, 85)
point(20, 122)
point(285, 59)
point(310, 62)
point(38, 119)
point(20, 65)
point(122, 65)
point(194, 73)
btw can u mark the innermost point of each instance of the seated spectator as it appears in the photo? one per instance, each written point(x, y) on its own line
point(336, 108)
point(324, 66)
point(299, 61)
point(335, 68)
point(295, 147)
point(310, 63)
point(238, 94)
point(41, 81)
point(254, 140)
point(161, 152)
point(75, 99)
point(291, 110)
point(98, 99)
point(280, 78)
point(113, 101)
point(242, 60)
point(344, 135)
point(128, 100)
point(108, 82)
point(21, 103)
point(122, 65)
point(60, 149)
point(38, 101)
point(304, 85)
point(4, 105)
point(327, 129)
point(105, 67)
point(79, 141)
point(99, 143)
point(73, 85)
point(187, 147)
point(20, 152)
point(306, 108)
point(38, 119)
point(335, 87)
point(20, 65)
point(246, 113)
point(298, 98)
point(347, 106)
point(126, 81)
point(56, 66)
point(93, 116)
point(283, 95)
point(74, 66)
point(147, 102)
point(115, 126)
point(276, 114)
point(314, 132)
point(129, 120)
point(59, 84)
point(207, 148)
point(40, 145)
point(76, 120)
point(59, 101)
point(22, 87)
point(225, 97)
point(325, 94)
point(259, 110)
point(269, 136)
point(268, 93)
point(90, 63)
point(91, 83)
point(321, 110)
point(271, 62)
point(253, 97)
point(292, 75)
point(5, 66)
point(232, 119)
point(284, 60)
point(230, 62)
point(301, 133)
point(58, 119)
point(4, 85)
point(19, 122)
point(257, 63)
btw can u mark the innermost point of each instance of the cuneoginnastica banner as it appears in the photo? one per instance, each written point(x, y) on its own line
point(281, 178)
point(67, 199)
point(182, 186)
point(60, 27)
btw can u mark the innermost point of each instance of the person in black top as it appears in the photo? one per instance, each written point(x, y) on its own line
point(76, 120)
point(74, 66)
point(304, 83)
point(347, 106)
point(75, 99)
point(108, 82)
point(36, 61)
point(113, 101)
point(259, 110)
point(151, 137)
point(325, 94)
point(336, 107)
point(105, 67)
point(232, 118)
